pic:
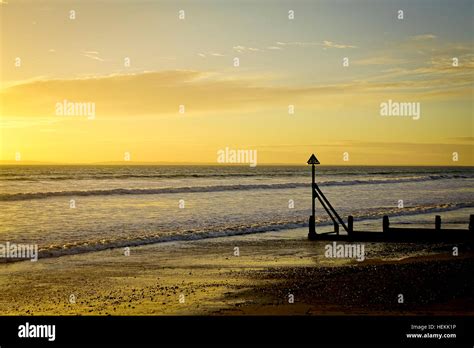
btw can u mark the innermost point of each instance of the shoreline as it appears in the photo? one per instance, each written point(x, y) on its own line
point(367, 223)
point(205, 277)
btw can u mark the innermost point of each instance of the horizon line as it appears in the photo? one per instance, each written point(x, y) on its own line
point(138, 164)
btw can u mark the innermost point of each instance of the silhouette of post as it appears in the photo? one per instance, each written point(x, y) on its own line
point(386, 224)
point(313, 181)
point(319, 194)
point(438, 223)
point(312, 220)
point(350, 224)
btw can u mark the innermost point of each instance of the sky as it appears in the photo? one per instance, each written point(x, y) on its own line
point(163, 85)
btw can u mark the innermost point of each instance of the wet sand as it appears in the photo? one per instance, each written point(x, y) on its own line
point(206, 277)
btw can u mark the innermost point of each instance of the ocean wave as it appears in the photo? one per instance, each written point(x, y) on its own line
point(48, 176)
point(214, 188)
point(38, 177)
point(56, 250)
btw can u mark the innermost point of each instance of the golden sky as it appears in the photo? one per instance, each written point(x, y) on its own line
point(282, 62)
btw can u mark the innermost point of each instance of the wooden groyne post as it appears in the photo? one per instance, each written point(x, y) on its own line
point(316, 193)
point(400, 234)
point(438, 223)
point(385, 224)
point(350, 224)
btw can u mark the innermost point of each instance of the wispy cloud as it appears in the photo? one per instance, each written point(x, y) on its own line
point(462, 139)
point(330, 44)
point(298, 43)
point(92, 55)
point(242, 49)
point(116, 95)
point(324, 44)
point(210, 54)
point(423, 37)
point(380, 60)
point(279, 45)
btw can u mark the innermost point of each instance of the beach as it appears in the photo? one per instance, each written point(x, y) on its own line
point(236, 173)
point(211, 240)
point(205, 277)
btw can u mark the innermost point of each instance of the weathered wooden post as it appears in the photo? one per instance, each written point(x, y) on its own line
point(350, 224)
point(312, 220)
point(386, 224)
point(438, 223)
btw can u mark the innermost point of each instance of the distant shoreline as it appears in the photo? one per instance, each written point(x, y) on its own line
point(212, 164)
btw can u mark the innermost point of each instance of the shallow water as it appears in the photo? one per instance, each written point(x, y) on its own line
point(135, 205)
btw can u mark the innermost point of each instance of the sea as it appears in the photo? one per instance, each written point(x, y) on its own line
point(78, 209)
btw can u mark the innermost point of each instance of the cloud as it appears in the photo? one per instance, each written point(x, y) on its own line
point(241, 49)
point(435, 73)
point(380, 60)
point(330, 44)
point(324, 44)
point(210, 54)
point(423, 37)
point(279, 45)
point(149, 93)
point(6, 123)
point(427, 64)
point(298, 43)
point(463, 139)
point(367, 144)
point(92, 55)
point(155, 93)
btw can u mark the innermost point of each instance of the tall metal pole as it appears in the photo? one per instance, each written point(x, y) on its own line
point(314, 193)
point(312, 219)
